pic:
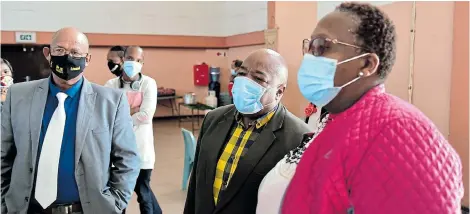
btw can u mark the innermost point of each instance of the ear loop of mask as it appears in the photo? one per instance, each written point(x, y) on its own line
point(266, 89)
point(274, 100)
point(352, 58)
point(361, 74)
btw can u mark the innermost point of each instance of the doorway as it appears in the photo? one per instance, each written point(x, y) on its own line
point(28, 62)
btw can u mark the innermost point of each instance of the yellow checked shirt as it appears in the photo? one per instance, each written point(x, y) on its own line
point(240, 140)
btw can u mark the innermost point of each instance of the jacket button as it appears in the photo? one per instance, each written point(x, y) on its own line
point(31, 170)
point(26, 199)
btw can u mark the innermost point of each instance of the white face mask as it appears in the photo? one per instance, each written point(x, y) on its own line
point(6, 81)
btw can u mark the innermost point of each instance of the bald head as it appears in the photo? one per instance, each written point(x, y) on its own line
point(268, 69)
point(134, 53)
point(70, 37)
point(270, 62)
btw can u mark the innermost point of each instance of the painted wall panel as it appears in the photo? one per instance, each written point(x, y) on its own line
point(433, 61)
point(242, 17)
point(162, 17)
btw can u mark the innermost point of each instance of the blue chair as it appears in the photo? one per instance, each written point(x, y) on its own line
point(189, 153)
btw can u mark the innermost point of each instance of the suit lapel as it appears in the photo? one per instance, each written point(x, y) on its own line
point(85, 111)
point(248, 162)
point(215, 141)
point(38, 104)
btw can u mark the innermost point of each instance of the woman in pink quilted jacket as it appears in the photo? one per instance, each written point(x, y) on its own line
point(377, 153)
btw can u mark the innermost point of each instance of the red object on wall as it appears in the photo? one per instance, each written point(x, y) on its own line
point(201, 74)
point(230, 86)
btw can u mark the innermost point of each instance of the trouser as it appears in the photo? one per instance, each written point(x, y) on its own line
point(148, 204)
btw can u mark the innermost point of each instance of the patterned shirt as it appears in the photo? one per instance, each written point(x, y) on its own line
point(240, 140)
point(293, 157)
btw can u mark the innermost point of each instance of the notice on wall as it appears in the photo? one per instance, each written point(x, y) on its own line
point(270, 39)
point(25, 37)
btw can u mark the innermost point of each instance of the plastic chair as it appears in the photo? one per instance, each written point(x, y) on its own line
point(189, 153)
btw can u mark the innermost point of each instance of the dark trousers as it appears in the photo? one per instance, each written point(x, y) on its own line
point(148, 204)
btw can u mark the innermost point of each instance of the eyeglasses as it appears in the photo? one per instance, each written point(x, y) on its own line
point(318, 46)
point(74, 54)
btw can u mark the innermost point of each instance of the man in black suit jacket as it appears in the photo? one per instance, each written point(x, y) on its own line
point(239, 144)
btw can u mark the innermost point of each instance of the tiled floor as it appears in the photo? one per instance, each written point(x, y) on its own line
point(166, 176)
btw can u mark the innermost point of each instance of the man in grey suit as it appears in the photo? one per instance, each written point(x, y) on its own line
point(239, 144)
point(61, 135)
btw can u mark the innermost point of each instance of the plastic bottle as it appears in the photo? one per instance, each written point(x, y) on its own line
point(211, 100)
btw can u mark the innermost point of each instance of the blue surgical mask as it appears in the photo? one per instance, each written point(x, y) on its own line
point(233, 72)
point(316, 78)
point(247, 95)
point(132, 68)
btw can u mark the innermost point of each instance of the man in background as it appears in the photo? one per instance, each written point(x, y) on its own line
point(60, 135)
point(236, 64)
point(142, 97)
point(116, 60)
point(238, 144)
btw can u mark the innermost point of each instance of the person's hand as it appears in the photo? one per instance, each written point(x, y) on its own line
point(135, 110)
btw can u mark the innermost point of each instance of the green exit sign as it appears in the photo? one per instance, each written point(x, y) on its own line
point(25, 37)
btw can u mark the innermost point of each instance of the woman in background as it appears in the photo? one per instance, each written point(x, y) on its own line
point(6, 78)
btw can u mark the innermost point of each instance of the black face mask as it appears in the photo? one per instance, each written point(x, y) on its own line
point(66, 67)
point(115, 68)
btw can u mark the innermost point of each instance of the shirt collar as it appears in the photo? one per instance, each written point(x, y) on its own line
point(260, 122)
point(71, 92)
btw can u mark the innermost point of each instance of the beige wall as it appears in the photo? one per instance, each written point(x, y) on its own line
point(459, 100)
point(295, 21)
point(433, 61)
point(398, 80)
